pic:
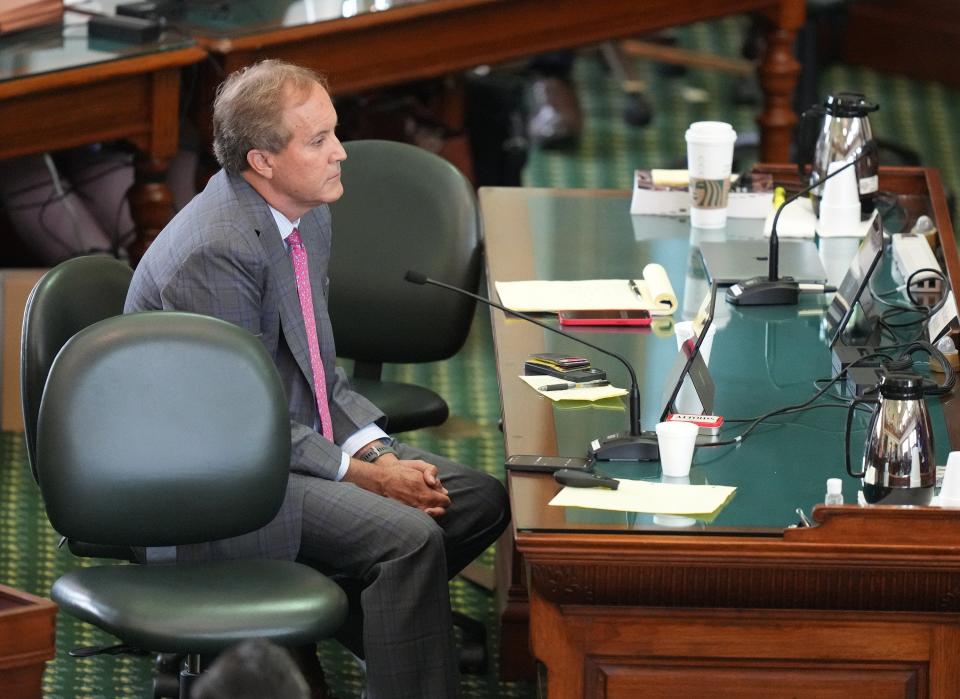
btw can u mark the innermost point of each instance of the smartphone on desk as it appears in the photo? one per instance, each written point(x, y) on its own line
point(628, 318)
point(578, 375)
point(545, 464)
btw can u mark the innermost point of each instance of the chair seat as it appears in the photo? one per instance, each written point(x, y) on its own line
point(407, 406)
point(204, 607)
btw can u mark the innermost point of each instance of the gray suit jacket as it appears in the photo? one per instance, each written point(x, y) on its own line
point(222, 255)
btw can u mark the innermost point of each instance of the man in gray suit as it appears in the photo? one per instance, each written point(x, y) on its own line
point(394, 523)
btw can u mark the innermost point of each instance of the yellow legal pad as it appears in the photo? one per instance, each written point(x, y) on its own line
point(589, 393)
point(644, 496)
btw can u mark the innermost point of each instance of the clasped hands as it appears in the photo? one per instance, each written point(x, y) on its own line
point(413, 482)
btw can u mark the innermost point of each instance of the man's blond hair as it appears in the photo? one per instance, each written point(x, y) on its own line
point(248, 110)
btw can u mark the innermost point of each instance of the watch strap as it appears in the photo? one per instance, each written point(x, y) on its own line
point(375, 452)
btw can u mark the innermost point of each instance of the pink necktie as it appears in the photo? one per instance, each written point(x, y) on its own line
point(299, 255)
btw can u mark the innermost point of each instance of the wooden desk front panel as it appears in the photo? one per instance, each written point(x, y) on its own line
point(135, 99)
point(76, 116)
point(26, 642)
point(435, 38)
point(692, 654)
point(866, 604)
point(422, 40)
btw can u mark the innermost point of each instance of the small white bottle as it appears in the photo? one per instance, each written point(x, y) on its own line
point(834, 492)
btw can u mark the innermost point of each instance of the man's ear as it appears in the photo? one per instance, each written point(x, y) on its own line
point(260, 162)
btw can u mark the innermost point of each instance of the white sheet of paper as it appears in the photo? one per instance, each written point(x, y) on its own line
point(543, 296)
point(536, 381)
point(644, 496)
point(797, 220)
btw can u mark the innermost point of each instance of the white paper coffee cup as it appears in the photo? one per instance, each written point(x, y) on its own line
point(709, 163)
point(676, 441)
point(840, 204)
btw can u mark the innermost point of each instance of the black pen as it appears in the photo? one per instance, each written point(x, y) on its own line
point(635, 289)
point(565, 386)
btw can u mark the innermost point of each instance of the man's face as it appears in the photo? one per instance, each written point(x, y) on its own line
point(306, 172)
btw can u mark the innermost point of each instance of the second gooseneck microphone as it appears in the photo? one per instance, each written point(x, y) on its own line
point(635, 445)
point(772, 290)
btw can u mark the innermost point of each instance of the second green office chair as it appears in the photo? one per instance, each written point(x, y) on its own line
point(403, 208)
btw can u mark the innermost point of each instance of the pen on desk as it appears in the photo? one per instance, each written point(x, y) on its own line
point(565, 386)
point(635, 289)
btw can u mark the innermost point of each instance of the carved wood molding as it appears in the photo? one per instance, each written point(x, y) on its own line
point(771, 587)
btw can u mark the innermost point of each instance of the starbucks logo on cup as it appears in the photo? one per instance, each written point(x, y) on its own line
point(709, 194)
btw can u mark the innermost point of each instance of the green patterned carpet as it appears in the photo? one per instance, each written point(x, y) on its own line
point(605, 157)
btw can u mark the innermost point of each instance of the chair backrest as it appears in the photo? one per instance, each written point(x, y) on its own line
point(403, 208)
point(162, 428)
point(68, 298)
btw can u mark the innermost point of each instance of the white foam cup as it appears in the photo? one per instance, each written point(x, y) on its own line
point(674, 520)
point(950, 487)
point(676, 441)
point(840, 205)
point(709, 162)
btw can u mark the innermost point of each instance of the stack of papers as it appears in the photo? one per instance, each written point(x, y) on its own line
point(644, 496)
point(797, 220)
point(653, 293)
point(22, 14)
point(590, 393)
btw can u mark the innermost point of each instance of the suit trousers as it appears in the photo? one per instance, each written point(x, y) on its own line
point(394, 561)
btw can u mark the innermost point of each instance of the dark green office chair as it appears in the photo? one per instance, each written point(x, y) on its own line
point(403, 208)
point(165, 429)
point(76, 293)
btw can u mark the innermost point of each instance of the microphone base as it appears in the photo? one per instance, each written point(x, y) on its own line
point(625, 447)
point(761, 291)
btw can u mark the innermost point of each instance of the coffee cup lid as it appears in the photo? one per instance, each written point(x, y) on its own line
point(711, 131)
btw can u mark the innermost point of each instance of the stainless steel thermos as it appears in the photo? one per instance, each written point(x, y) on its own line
point(899, 467)
point(839, 131)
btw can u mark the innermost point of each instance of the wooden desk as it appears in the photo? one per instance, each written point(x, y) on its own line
point(59, 90)
point(26, 642)
point(414, 39)
point(866, 604)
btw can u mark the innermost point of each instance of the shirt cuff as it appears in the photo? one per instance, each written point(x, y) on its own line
point(352, 444)
point(344, 465)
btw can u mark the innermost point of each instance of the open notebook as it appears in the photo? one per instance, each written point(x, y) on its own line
point(652, 293)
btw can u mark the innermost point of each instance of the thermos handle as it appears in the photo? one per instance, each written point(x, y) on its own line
point(846, 433)
point(808, 129)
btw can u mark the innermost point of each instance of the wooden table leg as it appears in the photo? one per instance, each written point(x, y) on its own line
point(778, 72)
point(151, 202)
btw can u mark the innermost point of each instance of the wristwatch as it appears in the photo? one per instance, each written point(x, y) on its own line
point(376, 451)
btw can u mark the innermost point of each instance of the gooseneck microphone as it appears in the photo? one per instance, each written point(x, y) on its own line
point(772, 290)
point(635, 445)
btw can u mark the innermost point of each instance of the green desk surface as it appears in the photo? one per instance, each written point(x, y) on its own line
point(216, 18)
point(761, 359)
point(66, 45)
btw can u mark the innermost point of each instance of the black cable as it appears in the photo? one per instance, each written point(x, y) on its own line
point(943, 294)
point(950, 376)
point(793, 408)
